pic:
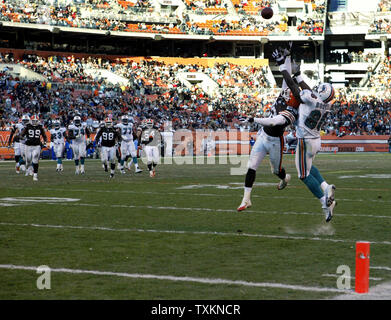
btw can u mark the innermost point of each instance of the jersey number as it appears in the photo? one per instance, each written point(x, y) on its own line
point(315, 120)
point(108, 136)
point(34, 133)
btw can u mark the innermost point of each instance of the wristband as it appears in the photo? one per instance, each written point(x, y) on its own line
point(299, 79)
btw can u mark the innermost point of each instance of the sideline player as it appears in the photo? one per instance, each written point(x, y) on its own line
point(315, 106)
point(33, 132)
point(19, 143)
point(150, 140)
point(109, 138)
point(57, 136)
point(77, 132)
point(270, 140)
point(127, 148)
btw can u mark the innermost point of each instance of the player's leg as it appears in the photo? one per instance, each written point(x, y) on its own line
point(155, 159)
point(258, 153)
point(22, 161)
point(276, 151)
point(83, 155)
point(149, 154)
point(305, 153)
point(17, 153)
point(58, 150)
point(133, 154)
point(76, 156)
point(36, 152)
point(124, 150)
point(29, 158)
point(111, 156)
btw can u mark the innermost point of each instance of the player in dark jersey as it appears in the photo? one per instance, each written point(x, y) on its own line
point(19, 144)
point(33, 132)
point(270, 140)
point(109, 137)
point(150, 140)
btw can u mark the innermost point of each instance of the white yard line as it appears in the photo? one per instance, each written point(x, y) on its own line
point(176, 278)
point(213, 233)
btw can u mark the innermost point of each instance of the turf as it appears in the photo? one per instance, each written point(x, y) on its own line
point(183, 223)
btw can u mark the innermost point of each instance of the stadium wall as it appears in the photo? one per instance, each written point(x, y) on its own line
point(237, 143)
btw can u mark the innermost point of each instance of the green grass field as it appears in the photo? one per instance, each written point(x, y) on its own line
point(179, 236)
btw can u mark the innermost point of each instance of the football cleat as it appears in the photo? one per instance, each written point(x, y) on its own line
point(138, 170)
point(111, 175)
point(82, 171)
point(328, 212)
point(283, 183)
point(244, 205)
point(77, 171)
point(152, 173)
point(17, 170)
point(35, 177)
point(105, 167)
point(330, 191)
point(123, 171)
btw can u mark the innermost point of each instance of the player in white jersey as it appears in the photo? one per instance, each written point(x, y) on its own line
point(127, 148)
point(57, 138)
point(315, 105)
point(150, 140)
point(78, 133)
point(19, 143)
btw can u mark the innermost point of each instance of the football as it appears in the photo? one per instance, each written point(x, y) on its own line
point(267, 13)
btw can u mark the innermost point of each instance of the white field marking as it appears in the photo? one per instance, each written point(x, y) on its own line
point(196, 194)
point(215, 210)
point(351, 277)
point(372, 176)
point(381, 268)
point(183, 279)
point(213, 233)
point(38, 199)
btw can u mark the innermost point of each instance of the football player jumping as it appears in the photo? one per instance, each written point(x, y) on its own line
point(127, 148)
point(270, 140)
point(57, 136)
point(315, 106)
point(33, 132)
point(77, 132)
point(109, 138)
point(150, 140)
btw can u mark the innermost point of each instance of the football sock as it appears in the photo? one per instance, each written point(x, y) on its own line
point(316, 174)
point(250, 178)
point(154, 164)
point(281, 174)
point(82, 161)
point(17, 159)
point(135, 161)
point(247, 192)
point(323, 202)
point(313, 185)
point(324, 185)
point(112, 167)
point(21, 161)
point(59, 160)
point(35, 166)
point(149, 166)
point(76, 162)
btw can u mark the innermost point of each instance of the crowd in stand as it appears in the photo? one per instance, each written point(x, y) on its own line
point(40, 12)
point(155, 92)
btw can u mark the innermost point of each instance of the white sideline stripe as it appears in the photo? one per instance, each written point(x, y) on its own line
point(381, 268)
point(214, 233)
point(215, 210)
point(175, 278)
point(201, 194)
point(346, 277)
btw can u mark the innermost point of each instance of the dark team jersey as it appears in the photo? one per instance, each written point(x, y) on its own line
point(151, 137)
point(290, 114)
point(33, 134)
point(108, 136)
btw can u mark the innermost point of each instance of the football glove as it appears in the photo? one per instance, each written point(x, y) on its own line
point(250, 120)
point(278, 57)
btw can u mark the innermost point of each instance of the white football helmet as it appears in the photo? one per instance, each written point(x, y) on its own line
point(25, 119)
point(77, 121)
point(56, 124)
point(125, 119)
point(326, 92)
